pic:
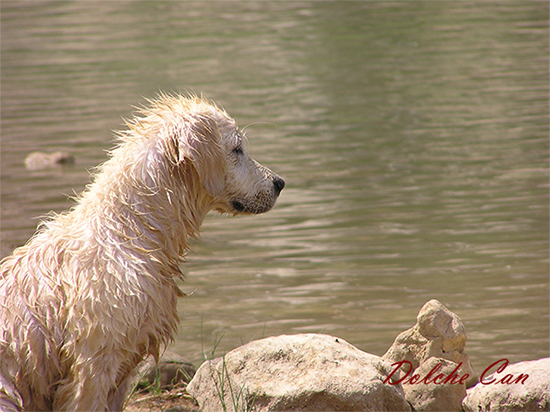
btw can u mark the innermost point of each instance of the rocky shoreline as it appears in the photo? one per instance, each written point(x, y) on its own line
point(426, 369)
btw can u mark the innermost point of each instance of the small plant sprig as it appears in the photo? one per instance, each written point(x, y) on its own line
point(238, 394)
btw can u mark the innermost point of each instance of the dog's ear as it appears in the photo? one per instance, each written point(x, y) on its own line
point(200, 143)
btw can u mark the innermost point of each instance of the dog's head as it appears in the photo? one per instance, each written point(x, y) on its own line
point(211, 142)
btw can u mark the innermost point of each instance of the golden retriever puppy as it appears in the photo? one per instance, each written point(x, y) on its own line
point(94, 291)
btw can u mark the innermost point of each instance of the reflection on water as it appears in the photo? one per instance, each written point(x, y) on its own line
point(412, 137)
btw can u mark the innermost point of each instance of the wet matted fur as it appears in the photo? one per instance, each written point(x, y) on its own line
point(94, 291)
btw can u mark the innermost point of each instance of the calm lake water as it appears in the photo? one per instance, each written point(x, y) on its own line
point(413, 137)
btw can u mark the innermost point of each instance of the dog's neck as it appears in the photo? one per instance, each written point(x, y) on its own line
point(153, 207)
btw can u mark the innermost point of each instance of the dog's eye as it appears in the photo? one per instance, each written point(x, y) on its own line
point(238, 150)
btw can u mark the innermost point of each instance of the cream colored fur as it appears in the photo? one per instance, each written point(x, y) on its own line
point(94, 291)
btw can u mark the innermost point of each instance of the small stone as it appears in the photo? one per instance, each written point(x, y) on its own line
point(436, 396)
point(39, 160)
point(438, 333)
point(170, 371)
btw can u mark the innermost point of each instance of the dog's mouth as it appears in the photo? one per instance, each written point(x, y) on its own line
point(238, 206)
point(261, 202)
point(253, 208)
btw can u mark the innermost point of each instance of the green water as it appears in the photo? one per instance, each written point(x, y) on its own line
point(413, 137)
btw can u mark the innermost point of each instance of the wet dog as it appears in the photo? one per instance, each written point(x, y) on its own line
point(94, 291)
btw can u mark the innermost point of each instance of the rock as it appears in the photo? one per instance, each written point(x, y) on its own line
point(505, 393)
point(171, 370)
point(438, 333)
point(39, 160)
point(435, 396)
point(306, 372)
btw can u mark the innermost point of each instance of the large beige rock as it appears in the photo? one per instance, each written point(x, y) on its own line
point(511, 390)
point(307, 372)
point(438, 333)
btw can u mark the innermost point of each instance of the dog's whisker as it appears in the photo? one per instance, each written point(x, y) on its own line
point(255, 123)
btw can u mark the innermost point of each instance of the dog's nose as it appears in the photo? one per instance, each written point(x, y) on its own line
point(279, 184)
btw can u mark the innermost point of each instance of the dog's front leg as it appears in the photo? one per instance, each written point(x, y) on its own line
point(87, 388)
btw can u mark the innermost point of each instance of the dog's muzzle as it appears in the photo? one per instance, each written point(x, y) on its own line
point(262, 202)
